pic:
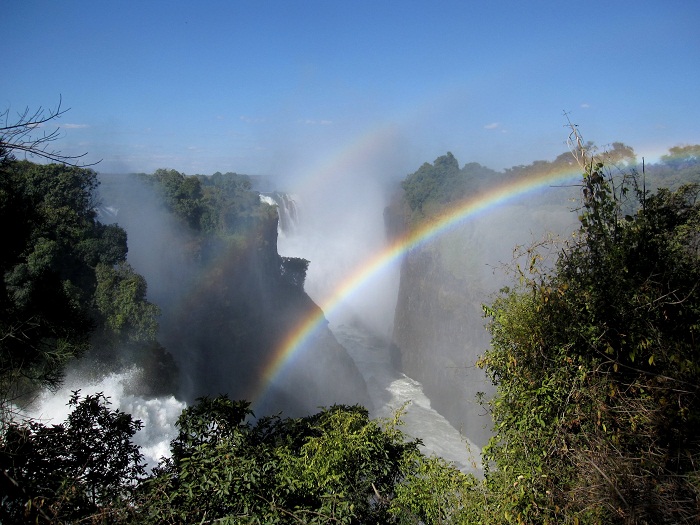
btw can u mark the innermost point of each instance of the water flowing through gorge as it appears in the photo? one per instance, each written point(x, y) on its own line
point(366, 333)
point(392, 390)
point(361, 324)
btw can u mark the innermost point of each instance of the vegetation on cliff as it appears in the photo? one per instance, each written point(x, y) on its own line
point(67, 288)
point(595, 361)
point(220, 204)
point(593, 351)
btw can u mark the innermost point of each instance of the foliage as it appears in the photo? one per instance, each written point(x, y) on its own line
point(335, 466)
point(681, 165)
point(680, 157)
point(120, 296)
point(596, 367)
point(46, 267)
point(84, 468)
point(64, 276)
point(436, 492)
point(222, 204)
point(434, 185)
point(293, 270)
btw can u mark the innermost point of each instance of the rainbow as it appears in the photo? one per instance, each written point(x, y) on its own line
point(460, 212)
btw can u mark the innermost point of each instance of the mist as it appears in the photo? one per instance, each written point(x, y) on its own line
point(340, 229)
point(207, 292)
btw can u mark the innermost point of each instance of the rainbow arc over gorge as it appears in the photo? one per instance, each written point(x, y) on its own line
point(458, 213)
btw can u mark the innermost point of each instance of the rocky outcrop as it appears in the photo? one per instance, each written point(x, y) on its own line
point(439, 327)
point(438, 331)
point(228, 303)
point(247, 306)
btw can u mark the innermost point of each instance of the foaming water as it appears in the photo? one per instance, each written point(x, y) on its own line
point(158, 415)
point(391, 390)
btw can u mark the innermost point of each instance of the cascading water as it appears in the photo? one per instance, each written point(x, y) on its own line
point(365, 334)
point(392, 390)
point(287, 210)
point(158, 415)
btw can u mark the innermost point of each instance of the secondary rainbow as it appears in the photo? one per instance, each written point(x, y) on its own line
point(460, 212)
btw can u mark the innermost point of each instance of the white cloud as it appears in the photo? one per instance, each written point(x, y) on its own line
point(493, 125)
point(75, 126)
point(585, 105)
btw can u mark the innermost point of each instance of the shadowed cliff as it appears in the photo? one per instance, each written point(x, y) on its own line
point(208, 249)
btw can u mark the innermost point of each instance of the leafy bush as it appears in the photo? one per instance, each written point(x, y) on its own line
point(84, 468)
point(336, 466)
point(597, 408)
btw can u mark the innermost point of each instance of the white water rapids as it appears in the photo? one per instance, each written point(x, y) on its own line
point(391, 390)
point(158, 415)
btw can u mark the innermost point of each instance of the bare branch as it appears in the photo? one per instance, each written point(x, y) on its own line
point(21, 135)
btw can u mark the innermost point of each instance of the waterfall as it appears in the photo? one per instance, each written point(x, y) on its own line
point(158, 414)
point(287, 210)
point(337, 237)
point(336, 243)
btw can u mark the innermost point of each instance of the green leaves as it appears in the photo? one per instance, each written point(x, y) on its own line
point(69, 471)
point(222, 204)
point(66, 288)
point(47, 282)
point(585, 359)
point(337, 466)
point(120, 297)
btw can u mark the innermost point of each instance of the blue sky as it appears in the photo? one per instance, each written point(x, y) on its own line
point(278, 87)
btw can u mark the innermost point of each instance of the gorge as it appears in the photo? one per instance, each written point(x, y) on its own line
point(241, 315)
point(388, 318)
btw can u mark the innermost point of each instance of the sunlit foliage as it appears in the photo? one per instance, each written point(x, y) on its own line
point(336, 466)
point(596, 364)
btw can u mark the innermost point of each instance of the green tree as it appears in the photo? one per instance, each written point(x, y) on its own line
point(434, 185)
point(51, 254)
point(120, 296)
point(595, 361)
point(681, 157)
point(221, 204)
point(52, 236)
point(83, 469)
point(337, 466)
point(333, 466)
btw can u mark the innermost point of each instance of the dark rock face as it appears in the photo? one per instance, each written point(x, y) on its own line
point(227, 306)
point(229, 337)
point(439, 332)
point(438, 324)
